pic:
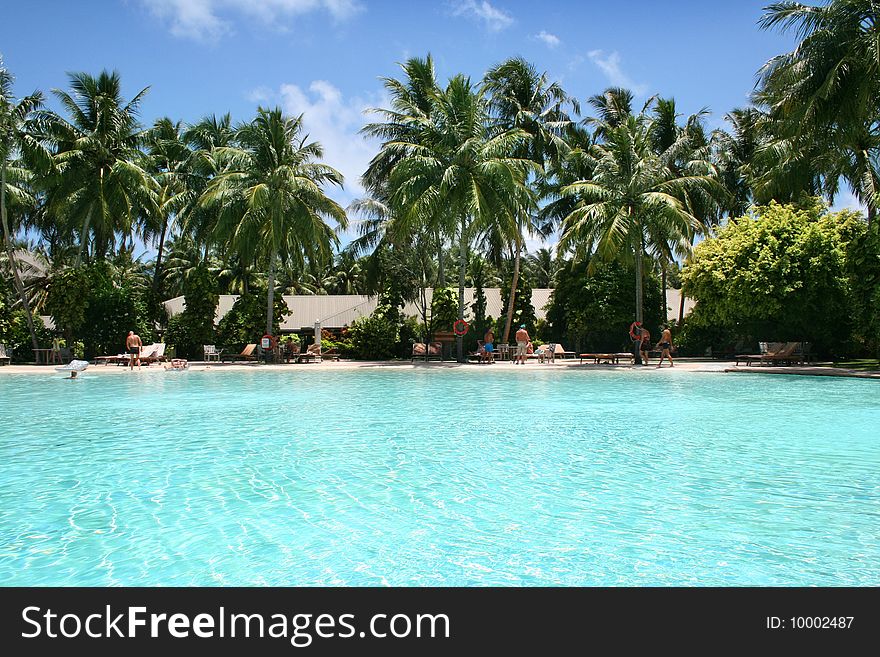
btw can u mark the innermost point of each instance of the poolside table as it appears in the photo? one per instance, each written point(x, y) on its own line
point(47, 356)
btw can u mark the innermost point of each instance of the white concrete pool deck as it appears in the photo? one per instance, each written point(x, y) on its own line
point(682, 365)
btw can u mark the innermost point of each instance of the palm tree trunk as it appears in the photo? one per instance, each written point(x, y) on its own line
point(83, 237)
point(462, 268)
point(158, 268)
point(639, 247)
point(512, 299)
point(441, 270)
point(663, 315)
point(271, 295)
point(10, 253)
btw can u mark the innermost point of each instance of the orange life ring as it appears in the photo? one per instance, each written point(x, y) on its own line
point(460, 327)
point(632, 328)
point(272, 342)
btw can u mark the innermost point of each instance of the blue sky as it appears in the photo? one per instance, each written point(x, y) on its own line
point(324, 58)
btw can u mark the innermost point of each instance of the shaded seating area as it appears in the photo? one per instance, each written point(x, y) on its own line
point(211, 353)
point(5, 358)
point(247, 354)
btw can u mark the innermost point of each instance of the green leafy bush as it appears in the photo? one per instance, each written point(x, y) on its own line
point(776, 276)
point(245, 323)
point(189, 331)
point(374, 337)
point(87, 303)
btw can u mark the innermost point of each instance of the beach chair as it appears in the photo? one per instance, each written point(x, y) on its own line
point(559, 351)
point(545, 352)
point(211, 353)
point(312, 354)
point(785, 356)
point(246, 354)
point(435, 351)
point(155, 353)
point(770, 351)
point(419, 350)
point(5, 359)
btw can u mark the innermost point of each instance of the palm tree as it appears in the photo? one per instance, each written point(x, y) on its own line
point(270, 195)
point(542, 268)
point(523, 99)
point(102, 180)
point(634, 195)
point(15, 136)
point(169, 158)
point(459, 177)
point(412, 100)
point(825, 91)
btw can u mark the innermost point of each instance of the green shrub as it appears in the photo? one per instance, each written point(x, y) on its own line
point(374, 337)
point(776, 276)
point(245, 323)
point(189, 331)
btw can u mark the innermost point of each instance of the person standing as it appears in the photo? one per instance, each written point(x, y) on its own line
point(489, 346)
point(522, 344)
point(665, 345)
point(133, 344)
point(635, 334)
point(645, 347)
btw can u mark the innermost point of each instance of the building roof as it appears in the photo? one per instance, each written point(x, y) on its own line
point(338, 310)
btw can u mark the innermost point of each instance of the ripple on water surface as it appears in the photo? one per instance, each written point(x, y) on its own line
point(446, 477)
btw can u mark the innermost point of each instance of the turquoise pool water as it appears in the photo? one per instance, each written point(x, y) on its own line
point(471, 476)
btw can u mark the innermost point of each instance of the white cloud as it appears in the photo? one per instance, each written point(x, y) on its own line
point(550, 40)
point(334, 121)
point(259, 95)
point(494, 19)
point(209, 20)
point(610, 66)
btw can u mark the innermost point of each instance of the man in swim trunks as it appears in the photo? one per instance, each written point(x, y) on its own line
point(133, 345)
point(522, 344)
point(666, 345)
point(488, 347)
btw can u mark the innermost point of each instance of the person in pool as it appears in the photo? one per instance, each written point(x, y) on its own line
point(488, 347)
point(665, 345)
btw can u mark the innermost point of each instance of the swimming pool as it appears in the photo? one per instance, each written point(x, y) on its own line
point(430, 476)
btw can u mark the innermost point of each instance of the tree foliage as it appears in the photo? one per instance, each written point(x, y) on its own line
point(780, 274)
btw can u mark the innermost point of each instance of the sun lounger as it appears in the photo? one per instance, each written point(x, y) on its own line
point(609, 358)
point(246, 354)
point(4, 357)
point(312, 354)
point(781, 354)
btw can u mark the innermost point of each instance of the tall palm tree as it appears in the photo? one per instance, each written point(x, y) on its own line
point(825, 91)
point(102, 180)
point(16, 137)
point(460, 176)
point(634, 195)
point(270, 195)
point(169, 159)
point(523, 99)
point(411, 102)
